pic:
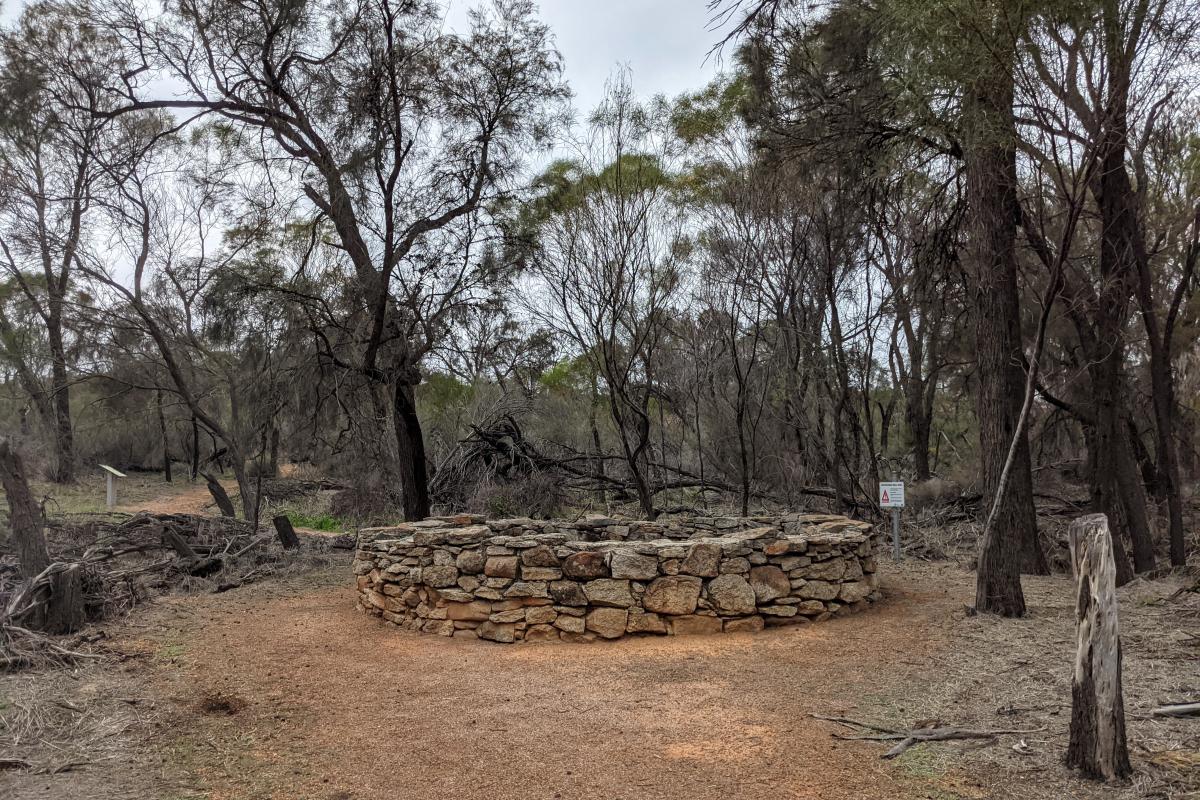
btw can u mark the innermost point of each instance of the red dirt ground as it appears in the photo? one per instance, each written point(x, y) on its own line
point(340, 705)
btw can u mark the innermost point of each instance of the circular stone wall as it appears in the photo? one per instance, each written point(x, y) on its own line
point(533, 580)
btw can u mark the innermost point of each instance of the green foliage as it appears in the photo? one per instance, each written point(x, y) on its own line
point(711, 111)
point(440, 392)
point(316, 522)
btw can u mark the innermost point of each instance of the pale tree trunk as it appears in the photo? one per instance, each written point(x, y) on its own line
point(1097, 746)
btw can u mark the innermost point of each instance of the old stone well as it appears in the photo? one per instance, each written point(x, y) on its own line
point(512, 580)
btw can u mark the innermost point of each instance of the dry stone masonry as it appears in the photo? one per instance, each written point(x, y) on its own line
point(529, 580)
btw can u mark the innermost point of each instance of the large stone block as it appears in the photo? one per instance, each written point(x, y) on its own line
point(475, 611)
point(853, 592)
point(609, 592)
point(644, 622)
point(608, 623)
point(818, 590)
point(588, 564)
point(702, 560)
point(624, 564)
point(505, 633)
point(731, 594)
point(675, 594)
point(501, 567)
point(540, 556)
point(471, 562)
point(568, 593)
point(769, 583)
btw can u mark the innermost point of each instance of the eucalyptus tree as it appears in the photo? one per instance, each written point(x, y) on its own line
point(608, 262)
point(49, 138)
point(397, 132)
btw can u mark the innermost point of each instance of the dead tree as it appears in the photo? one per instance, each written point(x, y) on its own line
point(1097, 745)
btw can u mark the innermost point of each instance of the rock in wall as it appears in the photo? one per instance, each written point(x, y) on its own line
point(534, 580)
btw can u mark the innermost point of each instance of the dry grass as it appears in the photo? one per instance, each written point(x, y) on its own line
point(1002, 673)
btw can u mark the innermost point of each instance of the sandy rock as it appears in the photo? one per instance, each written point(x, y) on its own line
point(744, 624)
point(588, 564)
point(633, 566)
point(475, 611)
point(540, 615)
point(769, 583)
point(818, 590)
point(570, 624)
point(471, 562)
point(568, 593)
point(675, 594)
point(703, 560)
point(643, 622)
point(505, 633)
point(731, 594)
point(439, 577)
point(541, 633)
point(539, 556)
point(608, 623)
point(501, 567)
point(853, 592)
point(608, 592)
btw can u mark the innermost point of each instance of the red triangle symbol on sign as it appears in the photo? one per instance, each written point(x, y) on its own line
point(885, 496)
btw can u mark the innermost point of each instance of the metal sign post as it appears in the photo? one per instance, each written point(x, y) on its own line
point(891, 496)
point(111, 496)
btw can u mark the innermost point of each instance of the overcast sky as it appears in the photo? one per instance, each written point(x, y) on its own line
point(662, 42)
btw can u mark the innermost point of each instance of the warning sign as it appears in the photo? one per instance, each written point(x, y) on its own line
point(891, 494)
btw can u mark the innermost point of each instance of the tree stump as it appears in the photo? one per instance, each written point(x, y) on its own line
point(220, 496)
point(1097, 746)
point(287, 534)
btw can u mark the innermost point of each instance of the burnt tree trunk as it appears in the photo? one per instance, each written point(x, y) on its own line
point(410, 451)
point(1097, 746)
point(287, 534)
point(166, 440)
point(220, 496)
point(990, 154)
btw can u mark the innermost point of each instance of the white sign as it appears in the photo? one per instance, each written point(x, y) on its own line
point(891, 494)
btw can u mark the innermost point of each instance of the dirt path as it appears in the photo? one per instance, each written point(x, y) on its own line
point(281, 690)
point(329, 703)
point(195, 499)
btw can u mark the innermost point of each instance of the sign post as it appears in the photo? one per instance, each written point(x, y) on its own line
point(111, 496)
point(891, 495)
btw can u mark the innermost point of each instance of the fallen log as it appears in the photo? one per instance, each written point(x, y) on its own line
point(1177, 710)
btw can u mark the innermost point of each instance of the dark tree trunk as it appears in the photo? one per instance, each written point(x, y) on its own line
point(287, 534)
point(220, 496)
point(990, 154)
point(273, 463)
point(410, 452)
point(166, 441)
point(64, 436)
point(24, 514)
point(195, 448)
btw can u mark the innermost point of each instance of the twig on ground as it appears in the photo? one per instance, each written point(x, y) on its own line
point(907, 739)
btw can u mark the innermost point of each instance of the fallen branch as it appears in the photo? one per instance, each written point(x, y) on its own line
point(1177, 710)
point(908, 738)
